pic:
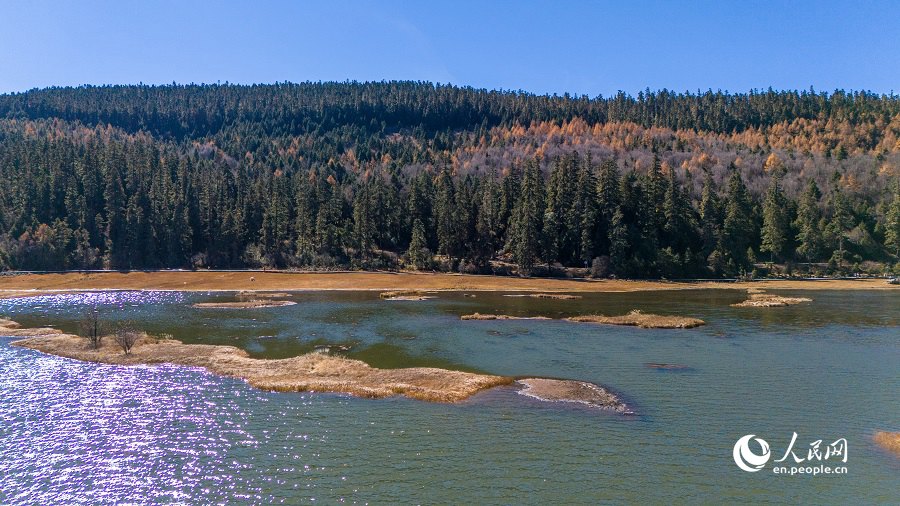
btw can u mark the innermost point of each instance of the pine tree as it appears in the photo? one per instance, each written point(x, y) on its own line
point(710, 217)
point(607, 201)
point(586, 209)
point(328, 219)
point(445, 216)
point(808, 224)
point(618, 243)
point(363, 220)
point(488, 222)
point(737, 228)
point(892, 222)
point(840, 223)
point(526, 220)
point(680, 224)
point(418, 254)
point(550, 238)
point(776, 226)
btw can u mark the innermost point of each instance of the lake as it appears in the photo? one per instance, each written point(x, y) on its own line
point(73, 432)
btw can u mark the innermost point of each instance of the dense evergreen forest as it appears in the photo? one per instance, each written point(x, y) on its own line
point(410, 175)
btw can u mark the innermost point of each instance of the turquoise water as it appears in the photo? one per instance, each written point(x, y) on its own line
point(73, 432)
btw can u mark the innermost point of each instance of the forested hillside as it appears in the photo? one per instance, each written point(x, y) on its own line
point(412, 175)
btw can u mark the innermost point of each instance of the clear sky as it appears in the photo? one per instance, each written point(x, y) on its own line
point(542, 47)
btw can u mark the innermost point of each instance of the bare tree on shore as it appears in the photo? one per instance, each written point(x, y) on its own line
point(126, 337)
point(91, 327)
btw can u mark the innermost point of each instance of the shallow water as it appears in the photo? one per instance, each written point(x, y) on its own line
point(73, 432)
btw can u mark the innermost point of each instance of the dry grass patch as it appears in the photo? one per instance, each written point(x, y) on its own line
point(643, 320)
point(402, 293)
point(405, 295)
point(13, 329)
point(37, 284)
point(759, 298)
point(890, 441)
point(247, 304)
point(479, 316)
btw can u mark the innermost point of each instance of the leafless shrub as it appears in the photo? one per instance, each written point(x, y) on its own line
point(91, 327)
point(126, 337)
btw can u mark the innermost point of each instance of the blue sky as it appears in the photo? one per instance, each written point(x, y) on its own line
point(542, 47)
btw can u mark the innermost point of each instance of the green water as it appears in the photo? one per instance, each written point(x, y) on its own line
point(102, 434)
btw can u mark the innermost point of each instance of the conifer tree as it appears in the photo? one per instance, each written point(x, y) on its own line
point(737, 227)
point(892, 222)
point(418, 254)
point(808, 224)
point(526, 220)
point(840, 223)
point(776, 226)
point(710, 217)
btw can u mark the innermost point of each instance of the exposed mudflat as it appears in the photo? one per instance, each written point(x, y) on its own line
point(573, 391)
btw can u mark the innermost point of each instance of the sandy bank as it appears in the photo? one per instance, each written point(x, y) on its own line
point(35, 284)
point(890, 441)
point(246, 304)
point(479, 316)
point(573, 391)
point(643, 320)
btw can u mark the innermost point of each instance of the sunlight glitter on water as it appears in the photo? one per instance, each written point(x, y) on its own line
point(80, 433)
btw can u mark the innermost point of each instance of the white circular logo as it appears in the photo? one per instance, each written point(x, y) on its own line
point(746, 459)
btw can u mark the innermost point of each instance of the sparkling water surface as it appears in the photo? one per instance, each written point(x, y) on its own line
point(79, 433)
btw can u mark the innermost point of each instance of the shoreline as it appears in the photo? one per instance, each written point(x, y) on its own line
point(312, 372)
point(25, 285)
